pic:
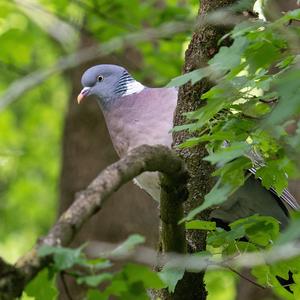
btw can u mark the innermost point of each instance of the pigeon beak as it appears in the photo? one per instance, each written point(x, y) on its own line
point(84, 93)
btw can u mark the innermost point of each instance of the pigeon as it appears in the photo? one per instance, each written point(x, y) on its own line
point(136, 114)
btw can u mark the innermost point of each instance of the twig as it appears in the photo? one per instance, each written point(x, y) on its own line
point(65, 286)
point(245, 277)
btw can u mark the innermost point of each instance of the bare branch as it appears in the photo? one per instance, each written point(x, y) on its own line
point(90, 201)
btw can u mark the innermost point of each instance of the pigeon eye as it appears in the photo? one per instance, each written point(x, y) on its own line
point(100, 78)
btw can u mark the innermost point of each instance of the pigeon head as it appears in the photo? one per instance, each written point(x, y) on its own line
point(107, 82)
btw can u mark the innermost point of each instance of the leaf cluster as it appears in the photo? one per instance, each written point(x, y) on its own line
point(131, 282)
point(248, 110)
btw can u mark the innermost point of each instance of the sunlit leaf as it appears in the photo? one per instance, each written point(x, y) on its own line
point(229, 153)
point(94, 280)
point(131, 242)
point(193, 76)
point(42, 287)
point(64, 258)
point(217, 195)
point(200, 225)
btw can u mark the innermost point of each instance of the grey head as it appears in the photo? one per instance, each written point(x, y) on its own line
point(107, 82)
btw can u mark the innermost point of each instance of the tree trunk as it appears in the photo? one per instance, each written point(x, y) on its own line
point(87, 150)
point(203, 46)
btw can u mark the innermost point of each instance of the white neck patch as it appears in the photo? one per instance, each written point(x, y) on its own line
point(133, 87)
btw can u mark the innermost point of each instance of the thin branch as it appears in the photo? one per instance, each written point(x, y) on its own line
point(65, 285)
point(90, 201)
point(19, 87)
point(245, 277)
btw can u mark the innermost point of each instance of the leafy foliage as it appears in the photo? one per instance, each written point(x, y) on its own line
point(42, 287)
point(131, 282)
point(258, 69)
point(244, 124)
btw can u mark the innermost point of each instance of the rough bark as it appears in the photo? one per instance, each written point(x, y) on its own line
point(203, 46)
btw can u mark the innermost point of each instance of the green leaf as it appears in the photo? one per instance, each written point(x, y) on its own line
point(149, 278)
point(263, 274)
point(229, 153)
point(229, 57)
point(281, 269)
point(273, 176)
point(170, 277)
point(221, 237)
point(94, 280)
point(220, 284)
point(261, 54)
point(218, 136)
point(288, 91)
point(131, 242)
point(296, 287)
point(233, 172)
point(64, 258)
point(96, 264)
point(254, 109)
point(217, 195)
point(178, 128)
point(96, 295)
point(193, 76)
point(292, 233)
point(42, 287)
point(206, 113)
point(237, 246)
point(200, 225)
point(118, 286)
point(260, 230)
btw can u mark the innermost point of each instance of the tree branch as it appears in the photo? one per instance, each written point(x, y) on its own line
point(90, 201)
point(196, 263)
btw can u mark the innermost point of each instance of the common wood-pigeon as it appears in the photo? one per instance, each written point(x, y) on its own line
point(136, 115)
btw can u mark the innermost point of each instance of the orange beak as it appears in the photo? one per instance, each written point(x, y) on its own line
point(84, 93)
